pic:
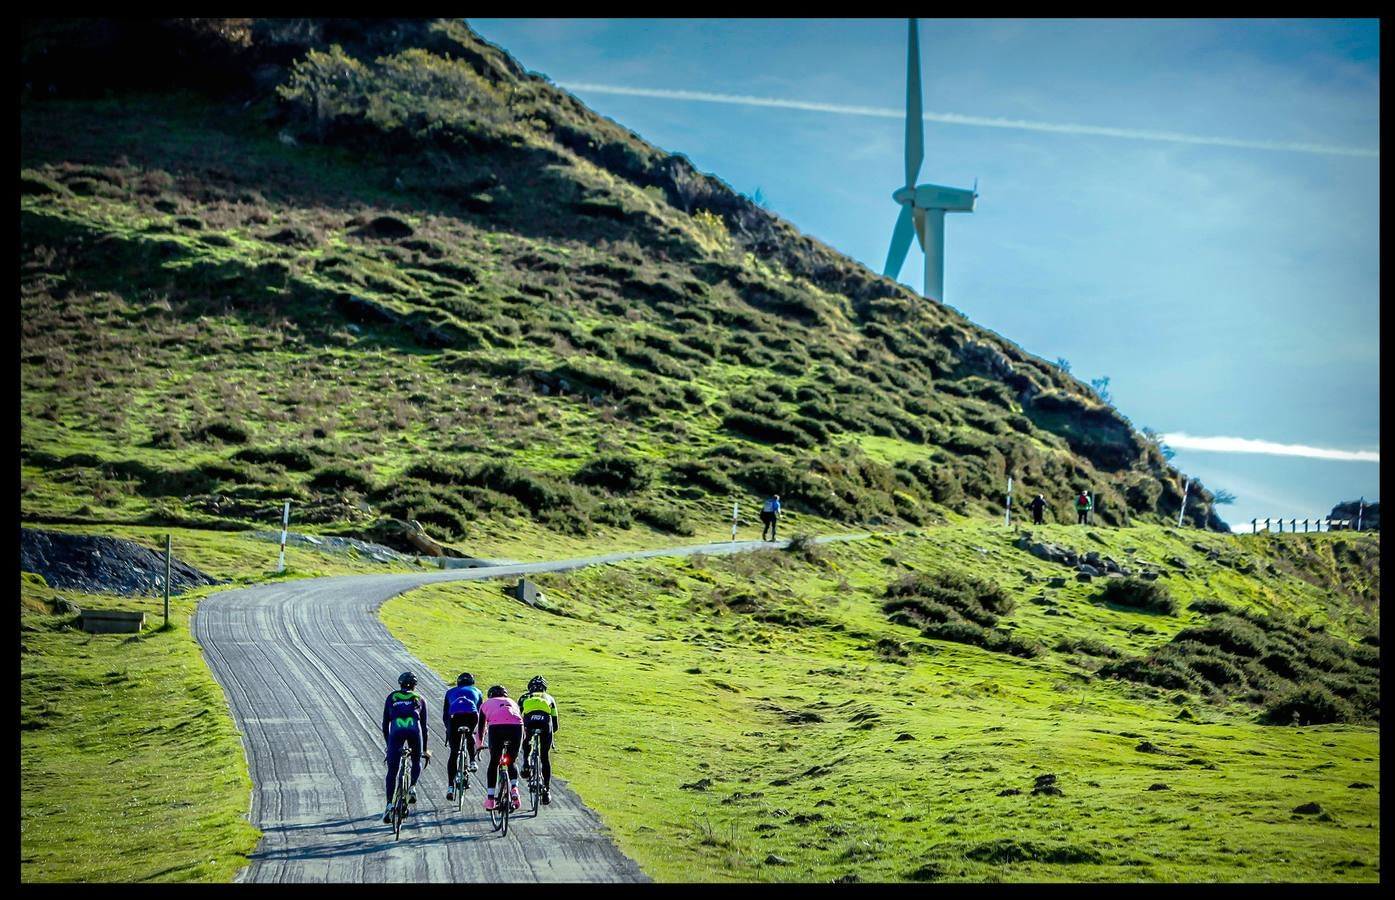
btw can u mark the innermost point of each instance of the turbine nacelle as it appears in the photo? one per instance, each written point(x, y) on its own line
point(935, 196)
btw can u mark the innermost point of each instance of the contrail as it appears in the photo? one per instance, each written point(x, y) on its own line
point(1248, 445)
point(982, 121)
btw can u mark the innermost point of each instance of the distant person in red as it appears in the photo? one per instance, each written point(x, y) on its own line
point(1038, 506)
point(1083, 505)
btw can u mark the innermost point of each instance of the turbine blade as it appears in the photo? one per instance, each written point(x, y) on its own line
point(920, 226)
point(900, 243)
point(915, 120)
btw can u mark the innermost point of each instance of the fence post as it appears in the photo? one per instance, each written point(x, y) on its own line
point(169, 540)
point(1266, 524)
point(1305, 526)
point(1183, 511)
point(1254, 524)
point(734, 508)
point(285, 523)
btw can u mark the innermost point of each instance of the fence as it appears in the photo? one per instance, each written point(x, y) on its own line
point(1318, 523)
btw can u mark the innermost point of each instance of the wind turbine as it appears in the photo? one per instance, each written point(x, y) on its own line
point(923, 208)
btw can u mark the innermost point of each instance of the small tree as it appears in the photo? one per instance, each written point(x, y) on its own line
point(1101, 386)
point(1222, 497)
point(1063, 364)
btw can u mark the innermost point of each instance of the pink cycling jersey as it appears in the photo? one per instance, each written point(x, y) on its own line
point(499, 711)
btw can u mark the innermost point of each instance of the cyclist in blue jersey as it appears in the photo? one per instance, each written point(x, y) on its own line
point(404, 719)
point(461, 709)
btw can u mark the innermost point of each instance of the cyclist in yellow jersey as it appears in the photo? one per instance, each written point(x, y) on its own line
point(540, 719)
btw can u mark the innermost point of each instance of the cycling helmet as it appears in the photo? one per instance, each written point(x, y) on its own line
point(498, 691)
point(465, 680)
point(406, 679)
point(538, 683)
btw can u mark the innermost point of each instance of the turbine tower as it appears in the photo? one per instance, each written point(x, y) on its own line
point(923, 208)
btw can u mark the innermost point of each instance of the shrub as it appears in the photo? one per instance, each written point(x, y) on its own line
point(293, 458)
point(227, 432)
point(1155, 669)
point(972, 598)
point(663, 518)
point(1230, 634)
point(763, 429)
point(614, 472)
point(1088, 646)
point(700, 474)
point(1217, 670)
point(338, 478)
point(1308, 704)
point(1136, 593)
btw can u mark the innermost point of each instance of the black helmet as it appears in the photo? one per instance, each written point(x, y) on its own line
point(465, 680)
point(498, 691)
point(406, 679)
point(537, 683)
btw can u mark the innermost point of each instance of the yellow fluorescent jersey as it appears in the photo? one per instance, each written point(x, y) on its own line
point(541, 702)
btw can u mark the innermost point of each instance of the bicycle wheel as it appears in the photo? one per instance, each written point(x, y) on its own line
point(506, 804)
point(404, 786)
point(534, 780)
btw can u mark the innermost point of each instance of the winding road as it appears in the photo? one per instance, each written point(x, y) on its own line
point(305, 666)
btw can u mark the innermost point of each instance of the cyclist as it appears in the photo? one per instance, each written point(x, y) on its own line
point(404, 719)
point(460, 710)
point(540, 719)
point(504, 722)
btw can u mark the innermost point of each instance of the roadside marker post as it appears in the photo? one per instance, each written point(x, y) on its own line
point(169, 540)
point(285, 523)
point(1360, 513)
point(734, 508)
point(1007, 513)
point(1186, 487)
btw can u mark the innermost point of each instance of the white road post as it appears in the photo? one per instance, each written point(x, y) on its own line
point(285, 522)
point(1007, 513)
point(1360, 513)
point(734, 508)
point(1183, 513)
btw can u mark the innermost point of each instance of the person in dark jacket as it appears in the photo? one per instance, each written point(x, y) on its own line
point(404, 719)
point(1038, 507)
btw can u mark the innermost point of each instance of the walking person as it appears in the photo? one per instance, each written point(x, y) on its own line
point(769, 516)
point(1038, 507)
point(1083, 505)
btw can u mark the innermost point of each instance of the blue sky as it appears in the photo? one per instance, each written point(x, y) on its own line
point(1189, 207)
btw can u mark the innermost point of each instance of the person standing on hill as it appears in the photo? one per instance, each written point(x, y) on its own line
point(769, 516)
point(1038, 506)
point(1083, 505)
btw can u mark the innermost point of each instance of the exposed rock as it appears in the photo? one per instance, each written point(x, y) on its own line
point(1178, 561)
point(1158, 786)
point(1308, 809)
point(1056, 583)
point(1146, 747)
point(1088, 570)
point(773, 860)
point(1083, 576)
point(103, 565)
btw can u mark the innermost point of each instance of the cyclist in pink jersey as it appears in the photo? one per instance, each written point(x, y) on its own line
point(503, 721)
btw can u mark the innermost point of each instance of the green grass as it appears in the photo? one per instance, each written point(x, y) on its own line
point(130, 767)
point(709, 736)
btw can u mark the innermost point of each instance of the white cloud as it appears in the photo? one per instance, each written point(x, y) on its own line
point(1248, 445)
point(983, 121)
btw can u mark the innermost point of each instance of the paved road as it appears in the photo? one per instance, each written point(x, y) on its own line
point(305, 666)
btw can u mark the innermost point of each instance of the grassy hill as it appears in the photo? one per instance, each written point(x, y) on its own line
point(377, 269)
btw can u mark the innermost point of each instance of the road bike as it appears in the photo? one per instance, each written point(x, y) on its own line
point(463, 760)
point(401, 795)
point(535, 782)
point(503, 796)
point(403, 791)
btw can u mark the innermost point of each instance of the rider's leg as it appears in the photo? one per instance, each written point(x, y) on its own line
point(393, 758)
point(453, 738)
point(545, 742)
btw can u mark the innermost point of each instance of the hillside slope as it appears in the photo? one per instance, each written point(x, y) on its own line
point(375, 267)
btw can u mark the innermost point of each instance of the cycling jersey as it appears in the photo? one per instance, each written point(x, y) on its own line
point(403, 710)
point(461, 700)
point(540, 702)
